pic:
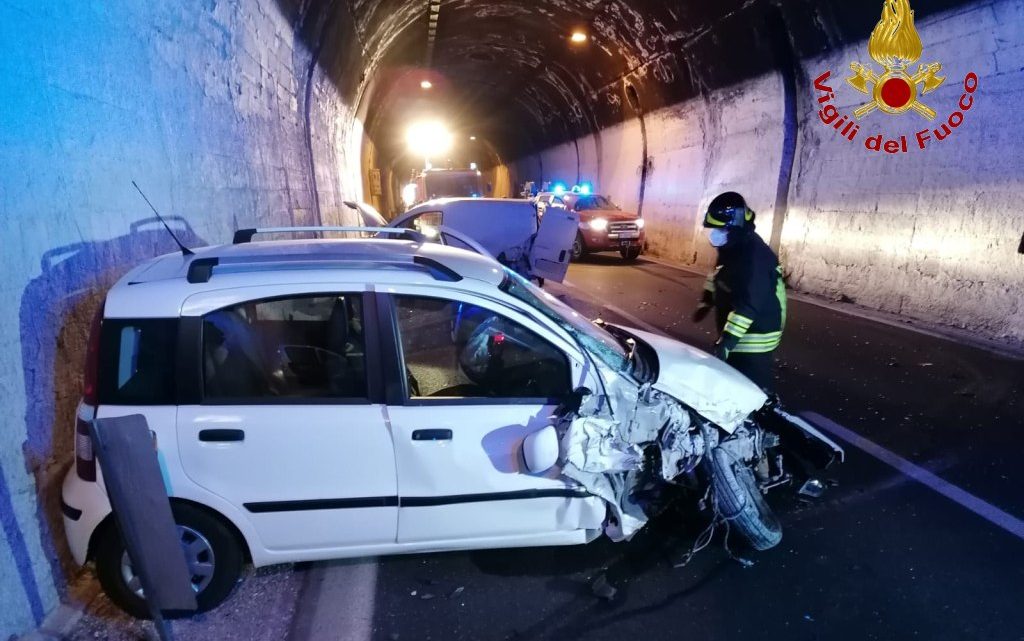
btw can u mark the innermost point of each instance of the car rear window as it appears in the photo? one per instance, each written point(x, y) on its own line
point(137, 361)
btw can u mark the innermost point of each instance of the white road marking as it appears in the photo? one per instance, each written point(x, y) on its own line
point(642, 324)
point(338, 602)
point(965, 499)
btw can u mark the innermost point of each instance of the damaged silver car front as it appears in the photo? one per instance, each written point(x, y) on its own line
point(630, 436)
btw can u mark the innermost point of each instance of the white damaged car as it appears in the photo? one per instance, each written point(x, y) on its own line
point(320, 399)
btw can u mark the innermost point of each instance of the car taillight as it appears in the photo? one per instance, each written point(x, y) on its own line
point(90, 387)
point(85, 458)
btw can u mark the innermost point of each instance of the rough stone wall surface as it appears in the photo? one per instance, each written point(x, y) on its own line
point(198, 101)
point(931, 234)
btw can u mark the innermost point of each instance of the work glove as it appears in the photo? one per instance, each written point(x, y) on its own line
point(707, 301)
point(701, 312)
point(726, 343)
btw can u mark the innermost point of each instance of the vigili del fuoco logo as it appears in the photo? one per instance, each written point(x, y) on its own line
point(895, 45)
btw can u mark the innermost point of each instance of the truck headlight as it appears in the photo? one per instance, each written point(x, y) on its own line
point(640, 223)
point(599, 224)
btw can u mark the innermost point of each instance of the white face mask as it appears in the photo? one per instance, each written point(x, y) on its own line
point(718, 237)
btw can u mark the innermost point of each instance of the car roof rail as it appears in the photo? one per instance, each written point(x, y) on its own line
point(200, 270)
point(243, 236)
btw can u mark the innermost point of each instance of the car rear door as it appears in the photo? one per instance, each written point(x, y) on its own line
point(459, 415)
point(285, 421)
point(552, 248)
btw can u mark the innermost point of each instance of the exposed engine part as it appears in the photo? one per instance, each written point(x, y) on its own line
point(603, 448)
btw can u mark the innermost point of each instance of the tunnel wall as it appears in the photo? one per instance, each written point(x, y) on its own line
point(931, 234)
point(202, 104)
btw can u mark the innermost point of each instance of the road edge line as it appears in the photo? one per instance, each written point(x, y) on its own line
point(994, 515)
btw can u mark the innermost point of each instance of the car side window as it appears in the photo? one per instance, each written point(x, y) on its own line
point(458, 350)
point(451, 241)
point(284, 349)
point(138, 361)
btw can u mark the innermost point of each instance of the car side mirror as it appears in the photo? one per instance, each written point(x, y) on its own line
point(540, 450)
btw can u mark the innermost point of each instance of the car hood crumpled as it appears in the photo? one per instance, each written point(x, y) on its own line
point(708, 386)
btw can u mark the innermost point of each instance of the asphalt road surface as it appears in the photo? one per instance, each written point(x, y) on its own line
point(921, 536)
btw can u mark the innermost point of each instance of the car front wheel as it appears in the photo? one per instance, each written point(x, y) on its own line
point(578, 248)
point(741, 503)
point(212, 552)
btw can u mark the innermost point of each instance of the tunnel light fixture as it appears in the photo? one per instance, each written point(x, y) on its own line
point(472, 137)
point(429, 139)
point(426, 84)
point(578, 37)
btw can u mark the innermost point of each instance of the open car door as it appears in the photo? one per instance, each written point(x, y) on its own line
point(368, 215)
point(552, 247)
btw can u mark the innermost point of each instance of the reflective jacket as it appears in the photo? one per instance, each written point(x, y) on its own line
point(749, 295)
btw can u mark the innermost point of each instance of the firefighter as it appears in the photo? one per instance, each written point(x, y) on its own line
point(746, 291)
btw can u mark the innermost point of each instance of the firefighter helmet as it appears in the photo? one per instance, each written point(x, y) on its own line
point(728, 210)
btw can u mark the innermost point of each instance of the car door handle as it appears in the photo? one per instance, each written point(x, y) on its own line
point(432, 435)
point(221, 436)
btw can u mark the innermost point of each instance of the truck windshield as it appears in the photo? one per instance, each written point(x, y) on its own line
point(595, 340)
point(594, 202)
point(455, 183)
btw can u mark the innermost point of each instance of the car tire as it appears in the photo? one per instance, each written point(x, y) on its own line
point(630, 254)
point(579, 250)
point(741, 503)
point(207, 540)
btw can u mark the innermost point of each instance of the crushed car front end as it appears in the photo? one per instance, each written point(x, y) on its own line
point(664, 413)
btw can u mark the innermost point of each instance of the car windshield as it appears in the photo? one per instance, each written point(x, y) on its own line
point(594, 202)
point(595, 340)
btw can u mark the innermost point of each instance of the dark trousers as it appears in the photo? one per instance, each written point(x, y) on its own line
point(759, 368)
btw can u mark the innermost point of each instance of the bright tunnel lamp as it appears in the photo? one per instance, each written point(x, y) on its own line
point(428, 138)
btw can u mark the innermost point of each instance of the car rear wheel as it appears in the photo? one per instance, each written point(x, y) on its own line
point(212, 552)
point(741, 503)
point(630, 253)
point(578, 248)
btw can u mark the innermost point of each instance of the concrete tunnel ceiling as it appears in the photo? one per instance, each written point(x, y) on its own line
point(506, 70)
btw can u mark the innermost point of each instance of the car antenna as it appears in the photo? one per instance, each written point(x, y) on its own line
point(185, 251)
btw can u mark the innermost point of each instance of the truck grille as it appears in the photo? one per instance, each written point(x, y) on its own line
point(627, 229)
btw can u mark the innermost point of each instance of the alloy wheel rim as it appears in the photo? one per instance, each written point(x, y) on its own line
point(199, 558)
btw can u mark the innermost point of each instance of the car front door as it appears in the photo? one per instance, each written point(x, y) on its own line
point(286, 423)
point(474, 379)
point(552, 248)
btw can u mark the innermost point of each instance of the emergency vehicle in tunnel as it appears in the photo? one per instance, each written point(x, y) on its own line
point(444, 183)
point(604, 226)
